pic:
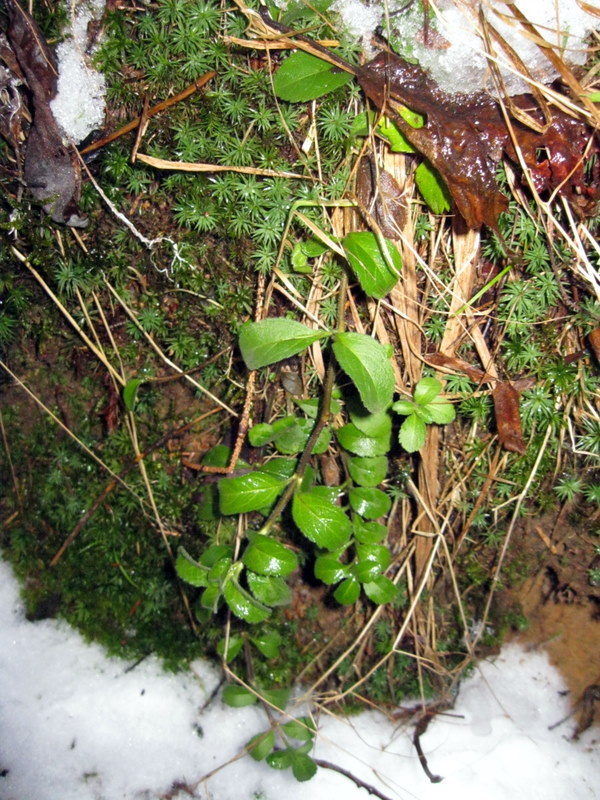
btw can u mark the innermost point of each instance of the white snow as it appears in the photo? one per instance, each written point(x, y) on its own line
point(79, 106)
point(464, 66)
point(77, 725)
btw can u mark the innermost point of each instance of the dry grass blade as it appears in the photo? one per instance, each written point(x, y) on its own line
point(186, 166)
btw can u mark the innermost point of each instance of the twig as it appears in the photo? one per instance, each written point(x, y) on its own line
point(152, 112)
point(357, 781)
point(245, 417)
point(420, 729)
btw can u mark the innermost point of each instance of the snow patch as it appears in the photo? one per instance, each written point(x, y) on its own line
point(79, 106)
point(77, 725)
point(464, 65)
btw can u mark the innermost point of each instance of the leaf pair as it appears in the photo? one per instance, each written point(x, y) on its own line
point(366, 362)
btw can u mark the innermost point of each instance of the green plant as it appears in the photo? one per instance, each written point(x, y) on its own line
point(317, 520)
point(425, 408)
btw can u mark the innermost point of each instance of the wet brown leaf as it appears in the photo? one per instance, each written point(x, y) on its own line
point(465, 136)
point(508, 417)
point(594, 340)
point(381, 197)
point(52, 170)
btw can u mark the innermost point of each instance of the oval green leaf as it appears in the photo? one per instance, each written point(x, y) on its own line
point(377, 272)
point(268, 643)
point(266, 556)
point(280, 759)
point(368, 471)
point(359, 443)
point(431, 185)
point(270, 340)
point(441, 413)
point(269, 590)
point(369, 532)
point(329, 570)
point(238, 696)
point(303, 767)
point(413, 433)
point(376, 554)
point(243, 604)
point(261, 745)
point(322, 522)
point(404, 407)
point(304, 77)
point(302, 729)
point(260, 434)
point(347, 592)
point(369, 503)
point(426, 390)
point(292, 438)
point(210, 597)
point(367, 363)
point(277, 697)
point(189, 570)
point(381, 590)
point(248, 492)
point(234, 645)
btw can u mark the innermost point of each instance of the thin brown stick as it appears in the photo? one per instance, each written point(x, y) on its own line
point(152, 112)
point(357, 781)
point(245, 417)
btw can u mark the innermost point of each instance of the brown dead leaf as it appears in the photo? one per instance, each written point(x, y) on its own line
point(508, 417)
point(379, 194)
point(465, 137)
point(505, 395)
point(594, 340)
point(458, 365)
point(52, 170)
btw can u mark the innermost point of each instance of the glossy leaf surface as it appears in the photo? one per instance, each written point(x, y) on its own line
point(367, 363)
point(377, 272)
point(321, 521)
point(304, 77)
point(271, 340)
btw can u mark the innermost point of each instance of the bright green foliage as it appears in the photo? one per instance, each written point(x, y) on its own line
point(368, 471)
point(238, 696)
point(271, 340)
point(240, 601)
point(319, 520)
point(432, 187)
point(421, 411)
point(376, 263)
point(261, 745)
point(268, 557)
point(271, 590)
point(369, 532)
point(348, 592)
point(289, 435)
point(268, 643)
point(369, 503)
point(115, 581)
point(304, 77)
point(249, 492)
point(329, 569)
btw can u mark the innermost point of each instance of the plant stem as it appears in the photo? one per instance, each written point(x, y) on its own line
point(322, 420)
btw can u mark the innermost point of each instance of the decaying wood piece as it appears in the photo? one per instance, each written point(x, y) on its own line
point(51, 170)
